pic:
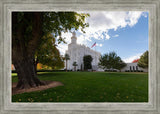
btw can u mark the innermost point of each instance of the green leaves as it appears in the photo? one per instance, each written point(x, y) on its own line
point(52, 22)
point(87, 59)
point(143, 61)
point(75, 64)
point(111, 61)
point(48, 54)
point(66, 56)
point(20, 16)
point(58, 22)
point(38, 31)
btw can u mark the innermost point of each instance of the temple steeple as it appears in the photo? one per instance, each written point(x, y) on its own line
point(74, 38)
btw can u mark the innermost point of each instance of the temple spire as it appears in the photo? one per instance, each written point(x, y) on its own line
point(74, 34)
point(74, 38)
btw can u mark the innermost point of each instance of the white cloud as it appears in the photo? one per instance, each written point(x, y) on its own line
point(133, 17)
point(100, 45)
point(130, 59)
point(101, 22)
point(145, 14)
point(62, 48)
point(82, 39)
point(67, 36)
point(115, 35)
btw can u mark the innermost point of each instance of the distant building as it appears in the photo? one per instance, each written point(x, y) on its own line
point(130, 67)
point(77, 52)
point(133, 67)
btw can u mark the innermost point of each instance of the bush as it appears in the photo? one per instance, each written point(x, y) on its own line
point(110, 70)
point(14, 71)
point(51, 70)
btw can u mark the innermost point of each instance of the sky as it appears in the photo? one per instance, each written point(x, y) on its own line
point(125, 33)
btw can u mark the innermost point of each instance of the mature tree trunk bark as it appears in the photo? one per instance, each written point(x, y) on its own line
point(26, 74)
point(23, 51)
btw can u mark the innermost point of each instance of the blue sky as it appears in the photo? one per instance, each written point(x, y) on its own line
point(126, 33)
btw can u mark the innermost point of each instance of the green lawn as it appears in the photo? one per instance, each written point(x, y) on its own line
point(90, 87)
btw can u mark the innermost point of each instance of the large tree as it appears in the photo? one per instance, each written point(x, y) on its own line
point(143, 61)
point(28, 29)
point(111, 61)
point(87, 61)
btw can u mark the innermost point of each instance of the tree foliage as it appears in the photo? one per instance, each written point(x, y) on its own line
point(143, 61)
point(75, 64)
point(67, 57)
point(28, 30)
point(51, 22)
point(111, 61)
point(48, 54)
point(87, 61)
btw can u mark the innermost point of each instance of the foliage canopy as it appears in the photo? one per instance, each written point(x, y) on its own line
point(87, 60)
point(48, 54)
point(143, 61)
point(29, 30)
point(111, 61)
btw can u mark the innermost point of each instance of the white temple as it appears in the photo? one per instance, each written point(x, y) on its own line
point(76, 53)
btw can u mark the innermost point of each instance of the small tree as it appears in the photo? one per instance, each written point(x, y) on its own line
point(119, 64)
point(111, 61)
point(75, 64)
point(87, 60)
point(66, 58)
point(143, 61)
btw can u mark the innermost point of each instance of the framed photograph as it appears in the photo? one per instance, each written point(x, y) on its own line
point(116, 83)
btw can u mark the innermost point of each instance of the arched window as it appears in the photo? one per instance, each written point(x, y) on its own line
point(133, 68)
point(130, 68)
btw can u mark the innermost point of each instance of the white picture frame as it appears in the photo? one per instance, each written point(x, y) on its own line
point(8, 6)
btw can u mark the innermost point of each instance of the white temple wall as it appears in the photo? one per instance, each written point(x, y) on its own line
point(77, 52)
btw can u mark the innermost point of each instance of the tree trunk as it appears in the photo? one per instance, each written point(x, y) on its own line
point(26, 74)
point(74, 68)
point(23, 49)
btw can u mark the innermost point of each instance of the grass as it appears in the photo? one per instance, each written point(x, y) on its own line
point(89, 87)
